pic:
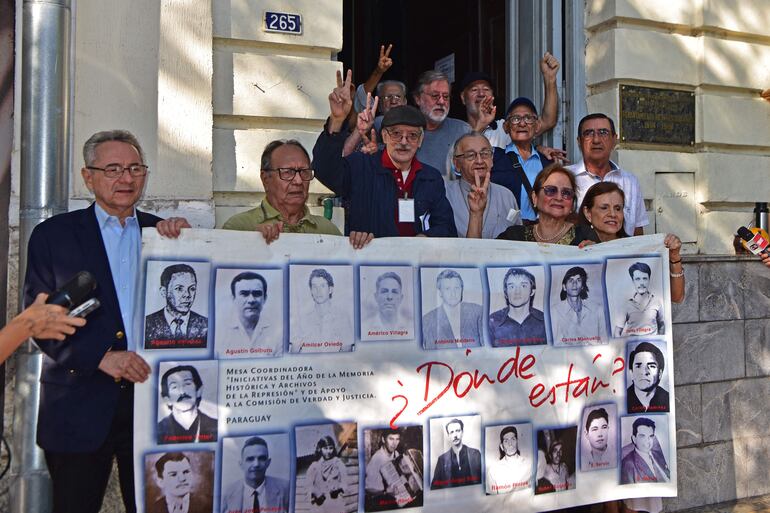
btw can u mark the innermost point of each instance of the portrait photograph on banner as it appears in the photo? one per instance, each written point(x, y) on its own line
point(393, 475)
point(176, 480)
point(556, 457)
point(249, 313)
point(387, 302)
point(635, 296)
point(256, 473)
point(577, 305)
point(176, 305)
point(517, 305)
point(599, 437)
point(647, 377)
point(321, 317)
point(187, 402)
point(645, 449)
point(452, 307)
point(509, 458)
point(453, 440)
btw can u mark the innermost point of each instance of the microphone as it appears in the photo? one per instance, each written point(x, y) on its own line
point(74, 292)
point(753, 242)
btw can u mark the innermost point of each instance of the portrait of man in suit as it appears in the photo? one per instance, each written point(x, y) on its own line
point(454, 322)
point(460, 465)
point(646, 463)
point(176, 325)
point(519, 322)
point(256, 491)
point(177, 482)
point(645, 370)
point(181, 388)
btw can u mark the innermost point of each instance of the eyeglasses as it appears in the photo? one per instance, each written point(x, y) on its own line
point(116, 170)
point(288, 173)
point(392, 97)
point(552, 190)
point(398, 135)
point(438, 96)
point(589, 133)
point(528, 119)
point(470, 156)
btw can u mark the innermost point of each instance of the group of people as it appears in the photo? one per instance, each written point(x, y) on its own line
point(394, 183)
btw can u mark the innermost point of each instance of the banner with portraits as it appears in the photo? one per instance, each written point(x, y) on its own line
point(443, 375)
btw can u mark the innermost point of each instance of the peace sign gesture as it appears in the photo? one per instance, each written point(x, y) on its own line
point(477, 197)
point(340, 100)
point(385, 62)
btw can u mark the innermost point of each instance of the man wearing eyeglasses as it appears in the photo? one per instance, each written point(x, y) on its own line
point(286, 175)
point(391, 192)
point(517, 166)
point(87, 395)
point(481, 209)
point(432, 96)
point(249, 334)
point(597, 139)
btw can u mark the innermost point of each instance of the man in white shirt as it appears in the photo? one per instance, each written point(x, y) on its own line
point(597, 139)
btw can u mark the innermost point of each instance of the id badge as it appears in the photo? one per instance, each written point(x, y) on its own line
point(405, 210)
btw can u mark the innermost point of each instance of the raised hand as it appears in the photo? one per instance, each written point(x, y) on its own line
point(477, 197)
point(385, 62)
point(366, 117)
point(340, 101)
point(369, 146)
point(549, 67)
point(487, 111)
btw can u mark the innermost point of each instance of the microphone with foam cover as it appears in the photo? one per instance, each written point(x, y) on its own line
point(75, 291)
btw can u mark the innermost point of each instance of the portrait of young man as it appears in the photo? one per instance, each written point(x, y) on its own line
point(179, 482)
point(394, 473)
point(455, 441)
point(577, 305)
point(599, 431)
point(249, 309)
point(508, 458)
point(175, 324)
point(181, 393)
point(642, 312)
point(519, 320)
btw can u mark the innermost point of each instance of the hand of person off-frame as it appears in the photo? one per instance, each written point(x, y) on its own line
point(47, 321)
point(125, 365)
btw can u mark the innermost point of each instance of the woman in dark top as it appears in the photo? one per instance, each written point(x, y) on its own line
point(553, 198)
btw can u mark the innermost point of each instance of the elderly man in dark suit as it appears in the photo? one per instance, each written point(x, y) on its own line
point(454, 323)
point(176, 325)
point(87, 394)
point(257, 491)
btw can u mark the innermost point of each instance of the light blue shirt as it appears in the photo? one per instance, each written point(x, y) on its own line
point(532, 166)
point(123, 245)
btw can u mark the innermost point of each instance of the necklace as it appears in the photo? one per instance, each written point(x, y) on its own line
point(559, 234)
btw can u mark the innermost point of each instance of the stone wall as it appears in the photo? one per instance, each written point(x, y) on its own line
point(722, 376)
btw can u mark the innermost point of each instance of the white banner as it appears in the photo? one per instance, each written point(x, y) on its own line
point(437, 375)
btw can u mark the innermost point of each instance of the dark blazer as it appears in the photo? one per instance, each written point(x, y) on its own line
point(277, 500)
point(504, 173)
point(435, 326)
point(372, 191)
point(169, 433)
point(198, 504)
point(156, 327)
point(442, 477)
point(633, 469)
point(77, 400)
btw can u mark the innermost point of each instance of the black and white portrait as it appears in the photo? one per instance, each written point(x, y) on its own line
point(454, 451)
point(509, 461)
point(635, 292)
point(647, 379)
point(394, 468)
point(321, 307)
point(327, 468)
point(256, 473)
point(577, 305)
point(644, 457)
point(387, 303)
point(179, 481)
point(598, 437)
point(187, 402)
point(452, 308)
point(516, 299)
point(556, 458)
point(249, 308)
point(176, 294)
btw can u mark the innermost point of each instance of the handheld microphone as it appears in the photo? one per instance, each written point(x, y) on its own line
point(754, 242)
point(74, 292)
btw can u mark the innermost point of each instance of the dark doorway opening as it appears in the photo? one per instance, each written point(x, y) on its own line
point(423, 32)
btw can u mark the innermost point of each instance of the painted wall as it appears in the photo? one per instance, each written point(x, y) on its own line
point(720, 51)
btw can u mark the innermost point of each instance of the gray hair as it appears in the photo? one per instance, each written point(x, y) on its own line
point(267, 154)
point(124, 136)
point(391, 82)
point(428, 77)
point(465, 136)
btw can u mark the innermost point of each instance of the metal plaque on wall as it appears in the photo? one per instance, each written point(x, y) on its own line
point(657, 116)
